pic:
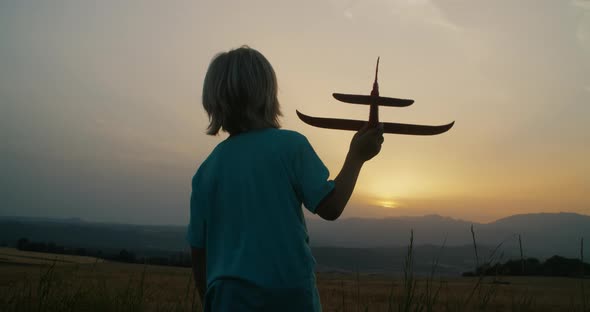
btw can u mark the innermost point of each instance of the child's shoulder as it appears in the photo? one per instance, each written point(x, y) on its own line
point(289, 136)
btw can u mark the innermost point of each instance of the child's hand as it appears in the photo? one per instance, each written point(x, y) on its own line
point(366, 143)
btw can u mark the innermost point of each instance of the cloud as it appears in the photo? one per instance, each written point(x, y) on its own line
point(348, 14)
point(583, 30)
point(585, 4)
point(423, 12)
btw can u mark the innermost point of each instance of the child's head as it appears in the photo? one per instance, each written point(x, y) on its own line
point(240, 92)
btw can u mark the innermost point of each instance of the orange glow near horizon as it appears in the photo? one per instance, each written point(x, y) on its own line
point(388, 204)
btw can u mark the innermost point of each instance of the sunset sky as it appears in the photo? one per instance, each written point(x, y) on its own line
point(101, 118)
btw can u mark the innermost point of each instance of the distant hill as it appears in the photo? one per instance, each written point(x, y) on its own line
point(367, 244)
point(543, 234)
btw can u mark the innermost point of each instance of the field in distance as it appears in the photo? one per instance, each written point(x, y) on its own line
point(39, 281)
point(14, 257)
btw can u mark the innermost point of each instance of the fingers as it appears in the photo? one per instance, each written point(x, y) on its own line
point(364, 128)
point(376, 131)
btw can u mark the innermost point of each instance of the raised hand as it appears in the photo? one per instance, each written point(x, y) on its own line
point(366, 143)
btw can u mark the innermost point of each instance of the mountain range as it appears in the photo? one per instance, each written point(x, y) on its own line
point(542, 234)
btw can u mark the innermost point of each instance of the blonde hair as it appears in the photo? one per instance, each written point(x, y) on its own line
point(240, 92)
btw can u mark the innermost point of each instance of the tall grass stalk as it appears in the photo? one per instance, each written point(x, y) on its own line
point(475, 249)
point(521, 255)
point(582, 275)
point(343, 295)
point(358, 290)
point(390, 298)
point(430, 296)
point(491, 290)
point(44, 286)
point(409, 282)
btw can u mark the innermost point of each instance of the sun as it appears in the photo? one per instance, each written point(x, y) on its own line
point(388, 204)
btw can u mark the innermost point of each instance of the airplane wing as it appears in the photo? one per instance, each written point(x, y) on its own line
point(367, 99)
point(388, 127)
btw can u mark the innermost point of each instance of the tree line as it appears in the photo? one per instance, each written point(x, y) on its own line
point(179, 259)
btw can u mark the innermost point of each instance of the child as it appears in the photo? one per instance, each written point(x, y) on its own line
point(247, 232)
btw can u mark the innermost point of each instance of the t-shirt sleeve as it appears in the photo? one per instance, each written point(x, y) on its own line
point(312, 184)
point(197, 226)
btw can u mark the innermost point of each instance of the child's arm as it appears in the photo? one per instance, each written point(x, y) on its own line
point(365, 144)
point(198, 256)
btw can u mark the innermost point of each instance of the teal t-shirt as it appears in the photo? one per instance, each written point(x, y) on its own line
point(245, 210)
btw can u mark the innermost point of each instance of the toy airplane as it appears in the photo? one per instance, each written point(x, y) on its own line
point(375, 101)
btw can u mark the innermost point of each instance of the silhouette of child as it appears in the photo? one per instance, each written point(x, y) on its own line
point(249, 243)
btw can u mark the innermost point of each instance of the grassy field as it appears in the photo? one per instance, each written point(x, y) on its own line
point(44, 282)
point(11, 256)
